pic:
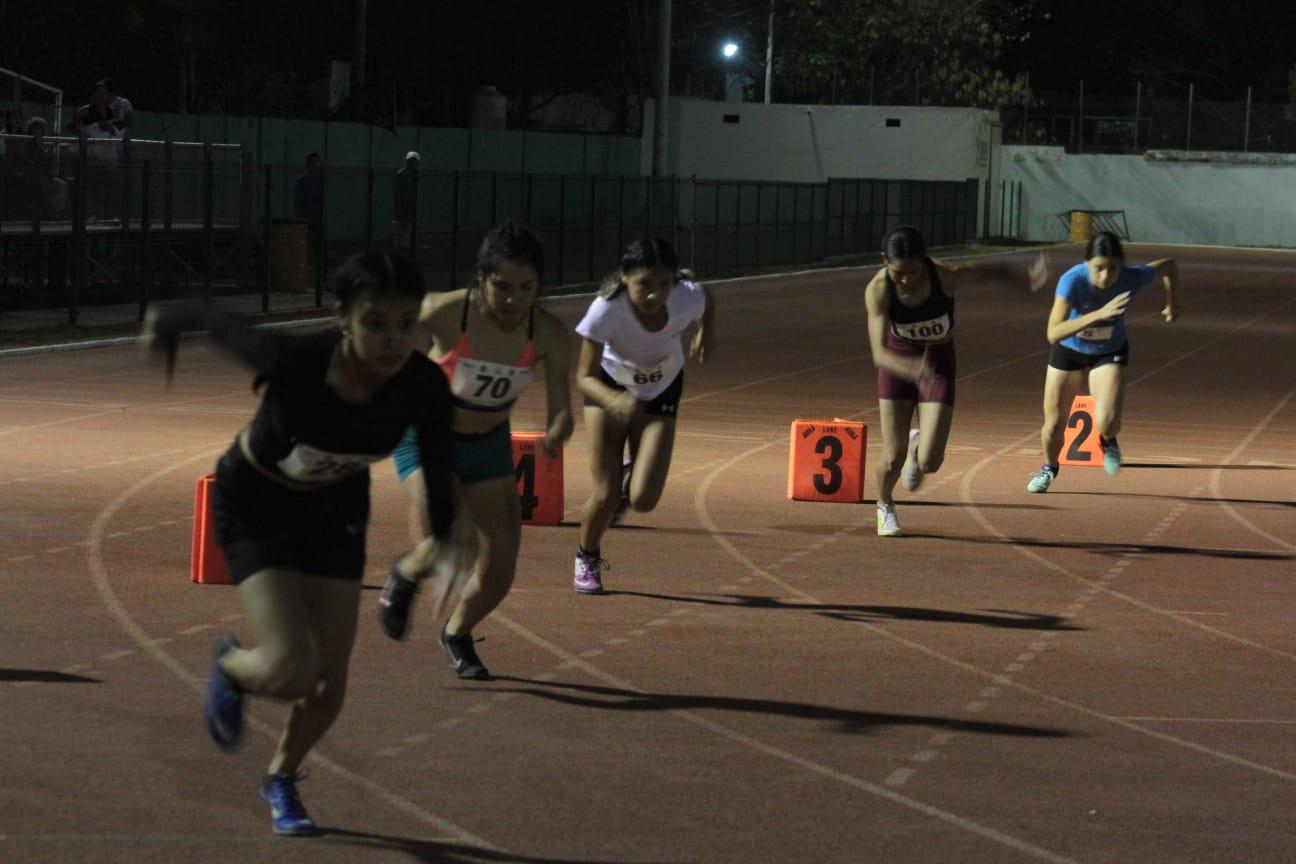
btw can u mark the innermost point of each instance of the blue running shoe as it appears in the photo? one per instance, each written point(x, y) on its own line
point(1111, 455)
point(223, 701)
point(288, 817)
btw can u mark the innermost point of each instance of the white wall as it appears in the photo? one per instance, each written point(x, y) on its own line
point(1167, 198)
point(810, 143)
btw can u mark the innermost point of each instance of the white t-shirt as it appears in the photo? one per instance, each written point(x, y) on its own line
point(645, 362)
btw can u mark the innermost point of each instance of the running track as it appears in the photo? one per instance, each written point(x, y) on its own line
point(1102, 673)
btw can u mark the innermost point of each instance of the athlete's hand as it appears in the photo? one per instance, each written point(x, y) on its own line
point(1038, 273)
point(154, 343)
point(701, 344)
point(1170, 313)
point(624, 407)
point(921, 370)
point(1115, 307)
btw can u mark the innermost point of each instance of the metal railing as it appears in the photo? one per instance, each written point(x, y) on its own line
point(206, 221)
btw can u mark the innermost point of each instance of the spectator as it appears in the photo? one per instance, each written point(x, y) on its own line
point(100, 136)
point(405, 190)
point(123, 113)
point(42, 194)
point(308, 203)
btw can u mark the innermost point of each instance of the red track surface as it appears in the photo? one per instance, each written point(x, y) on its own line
point(1102, 673)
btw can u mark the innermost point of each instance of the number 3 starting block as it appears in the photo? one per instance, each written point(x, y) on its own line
point(1080, 438)
point(539, 479)
point(826, 461)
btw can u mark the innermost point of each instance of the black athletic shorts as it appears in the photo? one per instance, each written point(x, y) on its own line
point(261, 524)
point(664, 404)
point(1064, 358)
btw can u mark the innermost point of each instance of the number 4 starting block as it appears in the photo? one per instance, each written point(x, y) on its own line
point(826, 461)
point(539, 479)
point(1080, 438)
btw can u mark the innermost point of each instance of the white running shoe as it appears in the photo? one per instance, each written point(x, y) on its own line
point(913, 475)
point(888, 523)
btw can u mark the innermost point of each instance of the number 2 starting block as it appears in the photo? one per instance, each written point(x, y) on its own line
point(826, 461)
point(539, 479)
point(1080, 438)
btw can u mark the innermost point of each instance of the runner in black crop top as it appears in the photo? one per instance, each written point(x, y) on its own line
point(307, 435)
point(290, 502)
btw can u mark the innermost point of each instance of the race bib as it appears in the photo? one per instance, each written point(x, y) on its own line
point(308, 464)
point(1097, 334)
point(935, 330)
point(488, 385)
point(635, 377)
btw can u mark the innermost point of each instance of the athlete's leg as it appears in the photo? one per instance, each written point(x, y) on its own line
point(654, 438)
point(330, 606)
point(934, 421)
point(607, 440)
point(894, 418)
point(1107, 386)
point(285, 662)
point(1060, 388)
point(495, 508)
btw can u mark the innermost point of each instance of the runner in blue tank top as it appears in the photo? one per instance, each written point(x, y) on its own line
point(1087, 331)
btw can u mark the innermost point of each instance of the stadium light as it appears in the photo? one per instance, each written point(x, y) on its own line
point(730, 50)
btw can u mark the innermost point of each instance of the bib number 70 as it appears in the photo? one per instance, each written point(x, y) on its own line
point(498, 387)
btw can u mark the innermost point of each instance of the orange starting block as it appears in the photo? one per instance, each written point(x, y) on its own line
point(206, 562)
point(826, 461)
point(1080, 438)
point(539, 479)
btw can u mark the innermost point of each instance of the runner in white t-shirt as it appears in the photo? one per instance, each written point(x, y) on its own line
point(631, 372)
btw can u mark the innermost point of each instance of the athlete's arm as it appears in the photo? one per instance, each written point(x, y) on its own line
point(619, 403)
point(875, 300)
point(259, 349)
point(1060, 328)
point(704, 338)
point(1167, 271)
point(433, 430)
point(553, 346)
point(980, 274)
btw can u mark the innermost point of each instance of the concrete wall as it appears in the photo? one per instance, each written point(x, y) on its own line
point(811, 143)
point(1167, 197)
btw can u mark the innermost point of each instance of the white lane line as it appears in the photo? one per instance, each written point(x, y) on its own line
point(1237, 451)
point(197, 628)
point(1225, 720)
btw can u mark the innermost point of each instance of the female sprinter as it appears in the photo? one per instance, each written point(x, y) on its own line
point(910, 304)
point(488, 338)
point(631, 373)
point(291, 499)
point(1087, 331)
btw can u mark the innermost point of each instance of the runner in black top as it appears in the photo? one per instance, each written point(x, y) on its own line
point(291, 499)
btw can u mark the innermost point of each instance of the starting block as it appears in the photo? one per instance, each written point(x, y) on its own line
point(826, 461)
point(206, 562)
point(1080, 438)
point(539, 479)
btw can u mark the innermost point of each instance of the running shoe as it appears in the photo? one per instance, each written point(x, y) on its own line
point(223, 701)
point(1111, 455)
point(1043, 479)
point(913, 474)
point(589, 570)
point(888, 523)
point(287, 815)
point(463, 655)
point(394, 604)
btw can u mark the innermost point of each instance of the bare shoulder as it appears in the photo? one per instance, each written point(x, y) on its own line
point(875, 291)
point(436, 304)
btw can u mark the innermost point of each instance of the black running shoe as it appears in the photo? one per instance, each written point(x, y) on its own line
point(394, 604)
point(466, 662)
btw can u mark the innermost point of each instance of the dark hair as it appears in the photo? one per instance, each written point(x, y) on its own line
point(108, 84)
point(310, 156)
point(376, 274)
point(1104, 244)
point(904, 241)
point(646, 253)
point(508, 241)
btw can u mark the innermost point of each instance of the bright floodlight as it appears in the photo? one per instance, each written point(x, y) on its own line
point(729, 50)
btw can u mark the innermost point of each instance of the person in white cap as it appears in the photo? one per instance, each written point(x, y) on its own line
point(405, 190)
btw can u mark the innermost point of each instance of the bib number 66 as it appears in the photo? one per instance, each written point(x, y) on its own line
point(648, 377)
